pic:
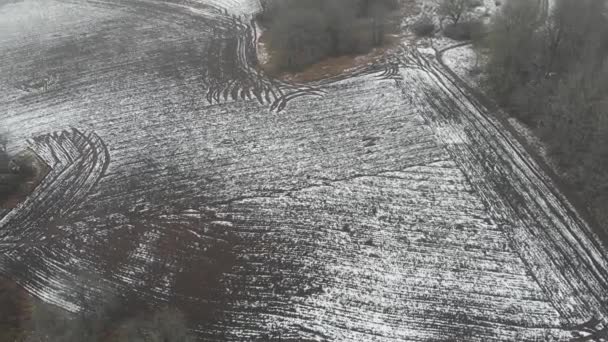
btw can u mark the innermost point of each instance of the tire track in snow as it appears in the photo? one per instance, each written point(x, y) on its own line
point(77, 161)
point(558, 246)
point(436, 266)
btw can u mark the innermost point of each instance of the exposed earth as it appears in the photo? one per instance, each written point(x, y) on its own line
point(385, 204)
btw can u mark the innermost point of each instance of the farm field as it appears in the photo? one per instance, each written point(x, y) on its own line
point(385, 204)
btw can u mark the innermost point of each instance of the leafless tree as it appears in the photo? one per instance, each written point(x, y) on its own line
point(454, 10)
point(552, 72)
point(304, 32)
point(299, 38)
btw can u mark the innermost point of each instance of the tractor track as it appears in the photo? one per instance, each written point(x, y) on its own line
point(388, 203)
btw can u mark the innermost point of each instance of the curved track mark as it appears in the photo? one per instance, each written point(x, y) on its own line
point(555, 242)
point(78, 161)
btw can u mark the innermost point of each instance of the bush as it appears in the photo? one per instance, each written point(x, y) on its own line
point(454, 9)
point(302, 33)
point(299, 38)
point(468, 30)
point(424, 27)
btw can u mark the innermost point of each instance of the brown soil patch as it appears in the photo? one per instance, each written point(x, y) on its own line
point(40, 170)
point(327, 68)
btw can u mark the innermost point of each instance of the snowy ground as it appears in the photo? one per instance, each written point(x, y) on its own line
point(383, 205)
point(466, 63)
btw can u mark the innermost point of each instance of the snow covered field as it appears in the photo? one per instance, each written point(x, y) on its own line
point(384, 205)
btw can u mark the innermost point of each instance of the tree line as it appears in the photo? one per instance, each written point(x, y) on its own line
point(551, 70)
point(302, 33)
point(104, 324)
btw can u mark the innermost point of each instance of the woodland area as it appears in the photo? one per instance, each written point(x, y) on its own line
point(552, 72)
point(302, 33)
point(27, 319)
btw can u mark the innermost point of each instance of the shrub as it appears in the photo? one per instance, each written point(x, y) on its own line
point(299, 38)
point(468, 30)
point(424, 27)
point(454, 9)
point(554, 76)
point(302, 33)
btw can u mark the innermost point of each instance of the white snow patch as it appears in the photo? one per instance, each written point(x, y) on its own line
point(426, 51)
point(222, 223)
point(465, 62)
point(237, 7)
point(450, 135)
point(533, 140)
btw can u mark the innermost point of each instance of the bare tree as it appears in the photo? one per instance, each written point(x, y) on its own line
point(299, 38)
point(304, 32)
point(513, 48)
point(552, 72)
point(453, 9)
